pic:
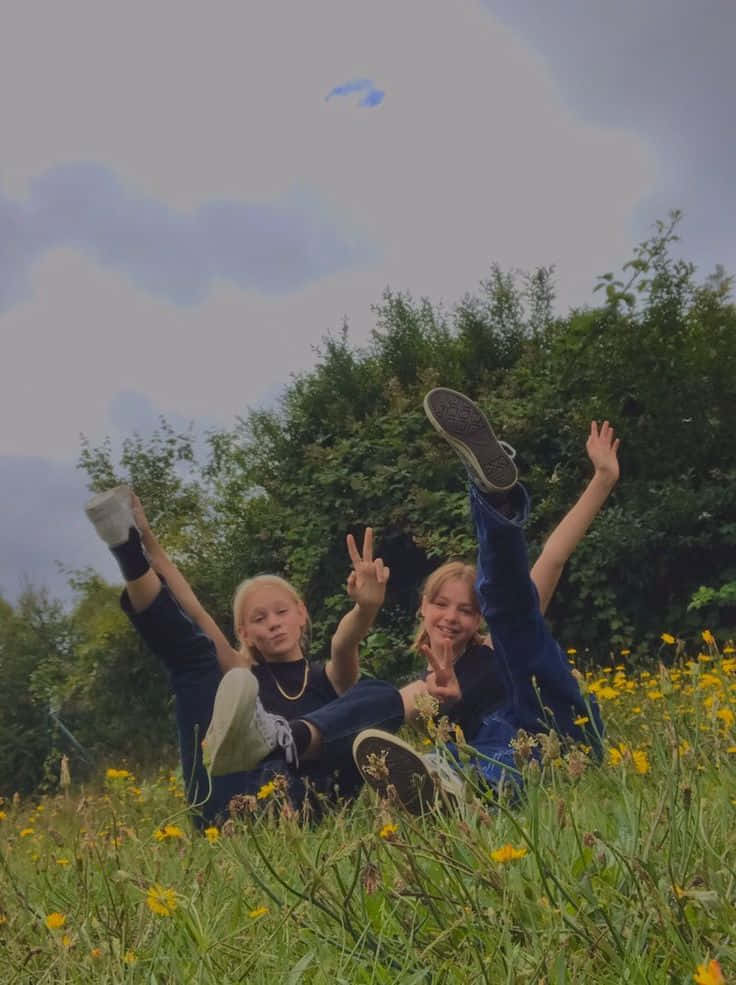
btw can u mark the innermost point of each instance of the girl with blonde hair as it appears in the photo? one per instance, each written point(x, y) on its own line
point(523, 681)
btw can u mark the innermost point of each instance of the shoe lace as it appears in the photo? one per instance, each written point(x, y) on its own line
point(447, 776)
point(276, 732)
point(509, 449)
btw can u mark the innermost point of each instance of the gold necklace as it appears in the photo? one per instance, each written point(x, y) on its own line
point(291, 697)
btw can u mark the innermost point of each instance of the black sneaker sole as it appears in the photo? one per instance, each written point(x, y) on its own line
point(464, 426)
point(407, 779)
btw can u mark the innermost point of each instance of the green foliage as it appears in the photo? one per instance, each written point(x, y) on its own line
point(348, 446)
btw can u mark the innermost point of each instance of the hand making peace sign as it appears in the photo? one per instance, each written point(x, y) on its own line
point(441, 680)
point(367, 581)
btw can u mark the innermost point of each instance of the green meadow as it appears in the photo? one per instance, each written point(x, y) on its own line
point(623, 871)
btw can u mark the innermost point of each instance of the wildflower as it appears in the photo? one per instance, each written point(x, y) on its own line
point(113, 774)
point(55, 920)
point(266, 790)
point(62, 861)
point(168, 831)
point(581, 720)
point(641, 763)
point(615, 756)
point(608, 693)
point(160, 900)
point(709, 974)
point(507, 853)
point(26, 832)
point(523, 745)
point(66, 942)
point(3, 815)
point(260, 911)
point(726, 716)
point(708, 637)
point(96, 952)
point(212, 834)
point(388, 831)
point(655, 695)
point(3, 919)
point(571, 651)
point(668, 638)
point(729, 649)
point(129, 957)
point(625, 652)
point(731, 749)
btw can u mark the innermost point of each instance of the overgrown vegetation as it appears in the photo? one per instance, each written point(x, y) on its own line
point(349, 445)
point(622, 872)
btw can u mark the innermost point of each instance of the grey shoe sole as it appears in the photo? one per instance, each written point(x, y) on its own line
point(223, 749)
point(405, 777)
point(464, 426)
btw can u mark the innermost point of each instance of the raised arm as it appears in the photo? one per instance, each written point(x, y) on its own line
point(180, 588)
point(367, 588)
point(602, 449)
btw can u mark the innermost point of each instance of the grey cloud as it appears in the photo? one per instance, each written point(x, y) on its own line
point(274, 248)
point(662, 69)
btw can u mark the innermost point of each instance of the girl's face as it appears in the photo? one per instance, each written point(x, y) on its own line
point(451, 615)
point(272, 621)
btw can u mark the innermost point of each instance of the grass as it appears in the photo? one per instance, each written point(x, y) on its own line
point(619, 872)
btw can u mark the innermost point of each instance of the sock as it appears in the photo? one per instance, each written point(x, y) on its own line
point(132, 561)
point(302, 736)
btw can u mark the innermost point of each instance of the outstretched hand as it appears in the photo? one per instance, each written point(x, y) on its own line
point(442, 682)
point(602, 448)
point(367, 581)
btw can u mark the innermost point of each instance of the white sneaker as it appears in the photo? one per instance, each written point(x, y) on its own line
point(111, 513)
point(395, 769)
point(242, 732)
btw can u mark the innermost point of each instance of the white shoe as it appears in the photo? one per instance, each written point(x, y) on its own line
point(395, 769)
point(111, 513)
point(242, 732)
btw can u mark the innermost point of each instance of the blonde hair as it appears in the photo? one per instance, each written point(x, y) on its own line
point(449, 571)
point(244, 590)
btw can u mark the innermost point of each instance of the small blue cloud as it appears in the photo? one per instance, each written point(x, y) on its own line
point(372, 97)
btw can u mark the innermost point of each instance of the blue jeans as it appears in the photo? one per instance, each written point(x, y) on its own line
point(542, 692)
point(194, 673)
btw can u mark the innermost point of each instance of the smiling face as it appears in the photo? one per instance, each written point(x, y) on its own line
point(272, 621)
point(451, 613)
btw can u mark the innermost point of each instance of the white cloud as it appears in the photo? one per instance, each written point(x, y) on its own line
point(471, 157)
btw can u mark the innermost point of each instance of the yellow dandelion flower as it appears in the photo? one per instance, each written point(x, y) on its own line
point(571, 651)
point(655, 695)
point(581, 720)
point(726, 716)
point(709, 974)
point(211, 834)
point(625, 652)
point(729, 649)
point(260, 911)
point(66, 942)
point(507, 853)
point(708, 637)
point(731, 749)
point(62, 861)
point(55, 920)
point(168, 831)
point(266, 790)
point(668, 638)
point(388, 831)
point(113, 774)
point(96, 952)
point(608, 693)
point(26, 832)
point(160, 900)
point(130, 957)
point(641, 763)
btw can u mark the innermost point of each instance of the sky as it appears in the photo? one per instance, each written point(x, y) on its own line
point(193, 195)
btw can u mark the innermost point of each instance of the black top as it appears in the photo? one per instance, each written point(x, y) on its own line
point(290, 676)
point(482, 679)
